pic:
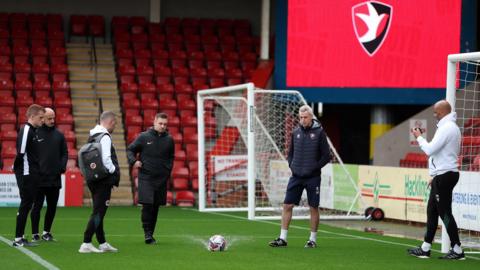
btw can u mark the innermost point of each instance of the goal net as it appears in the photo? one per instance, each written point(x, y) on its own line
point(463, 92)
point(244, 135)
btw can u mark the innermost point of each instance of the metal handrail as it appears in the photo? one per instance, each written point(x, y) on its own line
point(94, 66)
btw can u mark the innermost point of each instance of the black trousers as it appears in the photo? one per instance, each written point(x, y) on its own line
point(440, 205)
point(27, 186)
point(51, 194)
point(152, 194)
point(101, 198)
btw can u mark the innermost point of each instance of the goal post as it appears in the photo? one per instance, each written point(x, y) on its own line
point(243, 139)
point(463, 93)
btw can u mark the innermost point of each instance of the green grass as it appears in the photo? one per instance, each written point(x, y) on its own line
point(180, 233)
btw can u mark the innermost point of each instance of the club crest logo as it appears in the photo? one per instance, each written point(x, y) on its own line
point(371, 22)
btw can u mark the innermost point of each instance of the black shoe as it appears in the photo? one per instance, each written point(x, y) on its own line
point(279, 242)
point(451, 255)
point(47, 237)
point(419, 253)
point(149, 240)
point(23, 243)
point(36, 238)
point(310, 244)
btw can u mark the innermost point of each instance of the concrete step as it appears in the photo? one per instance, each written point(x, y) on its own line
point(85, 61)
point(87, 45)
point(81, 85)
point(92, 95)
point(87, 50)
point(89, 68)
point(91, 77)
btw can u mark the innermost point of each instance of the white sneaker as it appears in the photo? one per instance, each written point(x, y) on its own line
point(106, 247)
point(89, 248)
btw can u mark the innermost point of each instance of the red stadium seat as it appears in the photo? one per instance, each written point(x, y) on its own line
point(65, 119)
point(41, 68)
point(78, 25)
point(69, 136)
point(185, 198)
point(23, 85)
point(7, 101)
point(189, 121)
point(168, 104)
point(163, 71)
point(142, 53)
point(134, 120)
point(24, 101)
point(44, 101)
point(149, 104)
point(59, 68)
point(63, 103)
point(22, 67)
point(96, 25)
point(144, 70)
point(8, 135)
point(187, 104)
point(190, 137)
point(131, 104)
point(42, 86)
point(61, 86)
point(59, 77)
point(7, 153)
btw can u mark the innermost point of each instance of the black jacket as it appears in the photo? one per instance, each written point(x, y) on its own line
point(309, 151)
point(27, 159)
point(157, 152)
point(53, 156)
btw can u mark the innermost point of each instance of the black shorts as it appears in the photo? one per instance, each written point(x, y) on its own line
point(297, 185)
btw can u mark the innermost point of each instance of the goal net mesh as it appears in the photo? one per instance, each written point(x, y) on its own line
point(466, 195)
point(275, 116)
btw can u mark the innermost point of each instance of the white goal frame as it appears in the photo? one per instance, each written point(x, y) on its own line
point(451, 91)
point(250, 100)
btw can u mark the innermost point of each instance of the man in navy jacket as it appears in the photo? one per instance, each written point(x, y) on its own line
point(309, 152)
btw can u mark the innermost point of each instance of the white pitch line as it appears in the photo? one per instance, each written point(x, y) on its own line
point(340, 234)
point(31, 254)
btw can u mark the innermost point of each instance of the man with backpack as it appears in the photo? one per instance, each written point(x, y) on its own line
point(157, 152)
point(100, 183)
point(53, 162)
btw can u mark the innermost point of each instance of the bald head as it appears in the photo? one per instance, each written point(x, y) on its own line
point(49, 118)
point(441, 108)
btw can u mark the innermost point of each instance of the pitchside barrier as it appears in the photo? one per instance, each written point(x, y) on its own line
point(71, 193)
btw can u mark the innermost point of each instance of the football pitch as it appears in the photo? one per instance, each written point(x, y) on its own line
point(182, 234)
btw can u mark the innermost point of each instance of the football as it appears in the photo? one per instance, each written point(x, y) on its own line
point(217, 243)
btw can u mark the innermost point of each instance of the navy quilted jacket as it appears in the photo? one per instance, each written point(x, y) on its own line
point(309, 151)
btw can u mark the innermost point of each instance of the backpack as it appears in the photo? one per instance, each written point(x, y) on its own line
point(90, 159)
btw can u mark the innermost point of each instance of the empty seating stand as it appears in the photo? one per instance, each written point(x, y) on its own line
point(33, 69)
point(161, 66)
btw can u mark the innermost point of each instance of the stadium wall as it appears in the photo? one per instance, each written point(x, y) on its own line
point(393, 145)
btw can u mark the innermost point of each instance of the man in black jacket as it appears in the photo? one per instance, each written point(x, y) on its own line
point(308, 153)
point(157, 152)
point(53, 162)
point(27, 169)
point(102, 189)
